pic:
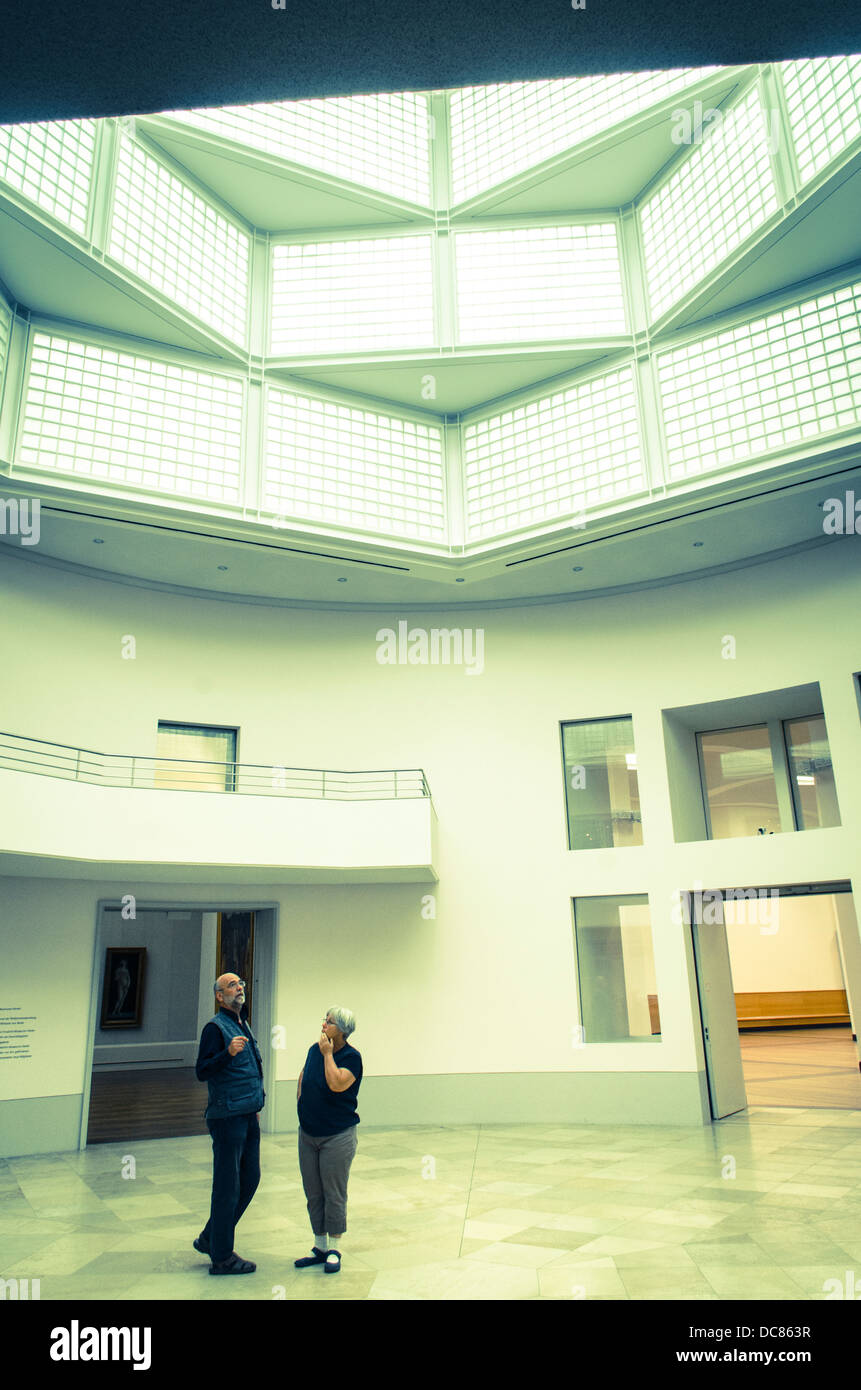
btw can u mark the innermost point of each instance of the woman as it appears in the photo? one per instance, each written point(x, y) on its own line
point(326, 1103)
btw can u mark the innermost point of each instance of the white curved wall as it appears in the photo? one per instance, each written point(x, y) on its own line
point(484, 992)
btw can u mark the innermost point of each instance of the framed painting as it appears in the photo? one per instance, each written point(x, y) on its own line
point(122, 990)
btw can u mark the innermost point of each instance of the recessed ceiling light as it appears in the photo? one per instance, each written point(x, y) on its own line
point(342, 581)
point(696, 543)
point(97, 541)
point(458, 581)
point(577, 569)
point(222, 567)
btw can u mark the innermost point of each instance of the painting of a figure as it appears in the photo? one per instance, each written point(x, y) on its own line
point(122, 992)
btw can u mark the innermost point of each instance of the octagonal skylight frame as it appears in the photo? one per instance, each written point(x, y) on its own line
point(473, 500)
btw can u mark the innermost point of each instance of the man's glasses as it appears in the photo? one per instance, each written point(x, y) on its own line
point(240, 984)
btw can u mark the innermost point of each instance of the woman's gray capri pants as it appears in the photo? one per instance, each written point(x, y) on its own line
point(324, 1163)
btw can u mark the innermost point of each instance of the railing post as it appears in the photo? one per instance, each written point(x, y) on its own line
point(132, 777)
point(396, 784)
point(77, 763)
point(324, 782)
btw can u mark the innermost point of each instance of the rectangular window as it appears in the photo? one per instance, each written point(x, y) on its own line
point(739, 783)
point(601, 789)
point(616, 969)
point(811, 775)
point(195, 759)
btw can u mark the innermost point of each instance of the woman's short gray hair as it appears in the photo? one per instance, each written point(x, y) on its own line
point(344, 1018)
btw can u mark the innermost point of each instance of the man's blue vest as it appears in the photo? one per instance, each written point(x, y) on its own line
point(238, 1088)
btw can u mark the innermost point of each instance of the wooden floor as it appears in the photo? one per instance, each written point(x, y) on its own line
point(801, 1066)
point(167, 1103)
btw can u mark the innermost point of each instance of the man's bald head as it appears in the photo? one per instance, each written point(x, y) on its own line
point(230, 991)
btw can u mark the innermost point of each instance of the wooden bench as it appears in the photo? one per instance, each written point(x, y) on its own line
point(802, 1008)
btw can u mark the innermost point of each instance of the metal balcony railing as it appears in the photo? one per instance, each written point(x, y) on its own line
point(35, 755)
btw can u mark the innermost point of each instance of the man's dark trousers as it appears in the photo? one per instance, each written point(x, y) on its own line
point(235, 1179)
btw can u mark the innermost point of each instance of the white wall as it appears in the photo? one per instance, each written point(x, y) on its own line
point(787, 945)
point(488, 983)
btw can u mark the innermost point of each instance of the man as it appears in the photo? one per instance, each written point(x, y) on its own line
point(229, 1061)
point(326, 1103)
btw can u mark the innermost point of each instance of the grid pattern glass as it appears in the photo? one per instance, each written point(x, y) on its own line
point(357, 296)
point(131, 421)
point(763, 385)
point(380, 142)
point(717, 198)
point(5, 329)
point(331, 464)
point(539, 282)
point(51, 163)
point(171, 237)
point(499, 131)
point(823, 96)
point(552, 457)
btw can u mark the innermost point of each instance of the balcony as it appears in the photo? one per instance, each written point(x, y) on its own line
point(74, 812)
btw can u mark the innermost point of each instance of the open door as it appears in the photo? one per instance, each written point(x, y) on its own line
point(849, 945)
point(717, 1009)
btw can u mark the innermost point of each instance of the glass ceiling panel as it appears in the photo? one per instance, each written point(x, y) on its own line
point(551, 458)
point(331, 464)
point(721, 193)
point(51, 164)
point(500, 131)
point(823, 97)
point(381, 142)
point(764, 385)
point(535, 283)
point(116, 418)
point(5, 329)
point(352, 296)
point(169, 235)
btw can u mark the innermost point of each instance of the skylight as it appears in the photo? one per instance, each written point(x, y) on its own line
point(52, 164)
point(539, 282)
point(166, 232)
point(721, 193)
point(551, 458)
point(766, 384)
point(117, 418)
point(380, 142)
point(823, 97)
point(328, 463)
point(500, 131)
point(5, 329)
point(352, 296)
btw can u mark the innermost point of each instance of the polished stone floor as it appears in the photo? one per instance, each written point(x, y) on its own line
point(763, 1205)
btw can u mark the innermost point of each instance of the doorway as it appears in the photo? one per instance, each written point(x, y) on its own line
point(778, 974)
point(142, 1082)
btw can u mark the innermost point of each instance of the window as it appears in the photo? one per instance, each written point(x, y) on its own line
point(601, 789)
point(738, 782)
point(195, 759)
point(768, 778)
point(616, 969)
point(811, 775)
